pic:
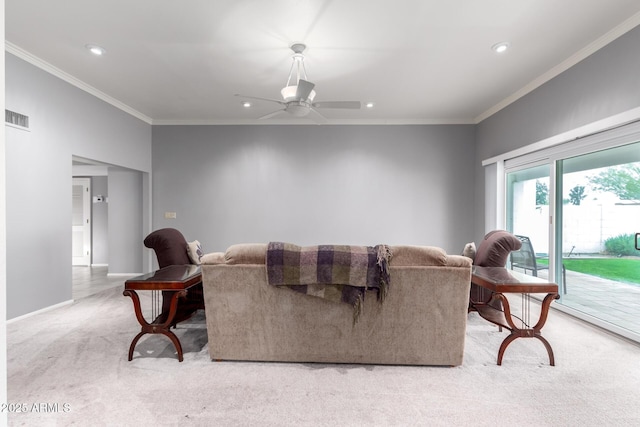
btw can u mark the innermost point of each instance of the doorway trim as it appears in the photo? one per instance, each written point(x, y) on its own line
point(81, 222)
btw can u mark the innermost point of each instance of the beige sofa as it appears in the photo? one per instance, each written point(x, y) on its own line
point(421, 322)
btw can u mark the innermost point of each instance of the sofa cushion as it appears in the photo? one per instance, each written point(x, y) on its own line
point(246, 253)
point(495, 248)
point(169, 245)
point(417, 255)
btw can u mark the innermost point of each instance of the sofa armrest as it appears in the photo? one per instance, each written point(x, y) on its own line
point(213, 258)
point(458, 261)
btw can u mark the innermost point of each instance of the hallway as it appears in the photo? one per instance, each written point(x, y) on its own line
point(90, 280)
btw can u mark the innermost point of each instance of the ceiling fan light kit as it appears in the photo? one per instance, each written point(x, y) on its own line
point(298, 94)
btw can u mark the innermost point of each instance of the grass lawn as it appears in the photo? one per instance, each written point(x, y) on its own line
point(619, 269)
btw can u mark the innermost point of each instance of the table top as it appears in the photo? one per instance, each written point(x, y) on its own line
point(173, 277)
point(502, 280)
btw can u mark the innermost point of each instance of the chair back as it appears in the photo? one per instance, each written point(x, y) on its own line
point(525, 257)
point(495, 248)
point(170, 247)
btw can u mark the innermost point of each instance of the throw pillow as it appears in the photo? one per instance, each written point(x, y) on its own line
point(195, 252)
point(470, 250)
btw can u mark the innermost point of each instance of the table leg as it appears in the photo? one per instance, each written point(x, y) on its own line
point(133, 344)
point(535, 332)
point(160, 325)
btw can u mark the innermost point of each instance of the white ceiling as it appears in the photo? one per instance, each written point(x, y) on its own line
point(419, 61)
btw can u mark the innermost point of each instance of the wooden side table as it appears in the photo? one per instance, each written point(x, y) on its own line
point(171, 284)
point(499, 281)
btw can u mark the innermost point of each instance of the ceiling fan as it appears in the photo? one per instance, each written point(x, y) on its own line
point(298, 94)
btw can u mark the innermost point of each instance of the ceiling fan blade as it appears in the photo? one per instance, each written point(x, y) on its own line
point(268, 116)
point(304, 89)
point(317, 117)
point(261, 99)
point(337, 104)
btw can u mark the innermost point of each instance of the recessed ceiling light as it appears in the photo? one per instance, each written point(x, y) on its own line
point(500, 47)
point(95, 49)
point(246, 104)
point(369, 105)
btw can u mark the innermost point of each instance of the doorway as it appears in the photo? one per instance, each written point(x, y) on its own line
point(116, 225)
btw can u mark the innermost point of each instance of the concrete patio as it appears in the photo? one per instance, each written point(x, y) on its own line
point(610, 301)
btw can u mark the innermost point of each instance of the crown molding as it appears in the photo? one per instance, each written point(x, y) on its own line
point(588, 50)
point(302, 122)
point(34, 60)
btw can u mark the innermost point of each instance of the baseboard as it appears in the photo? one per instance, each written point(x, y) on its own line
point(42, 310)
point(123, 274)
point(99, 265)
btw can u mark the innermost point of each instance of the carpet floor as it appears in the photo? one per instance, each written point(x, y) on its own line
point(69, 366)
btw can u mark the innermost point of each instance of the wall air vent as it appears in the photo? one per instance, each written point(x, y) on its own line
point(16, 120)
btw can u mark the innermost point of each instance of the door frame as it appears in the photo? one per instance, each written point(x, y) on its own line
point(85, 228)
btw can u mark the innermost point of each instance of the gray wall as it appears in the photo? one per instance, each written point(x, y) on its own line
point(604, 84)
point(65, 121)
point(315, 184)
point(125, 221)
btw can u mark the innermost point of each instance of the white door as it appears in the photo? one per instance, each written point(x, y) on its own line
point(80, 221)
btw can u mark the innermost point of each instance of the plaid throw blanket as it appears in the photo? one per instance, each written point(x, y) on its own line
point(331, 272)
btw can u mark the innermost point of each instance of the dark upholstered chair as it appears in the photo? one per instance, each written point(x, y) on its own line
point(493, 251)
point(170, 247)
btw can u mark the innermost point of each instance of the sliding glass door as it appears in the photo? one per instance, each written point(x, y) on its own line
point(577, 213)
point(600, 214)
